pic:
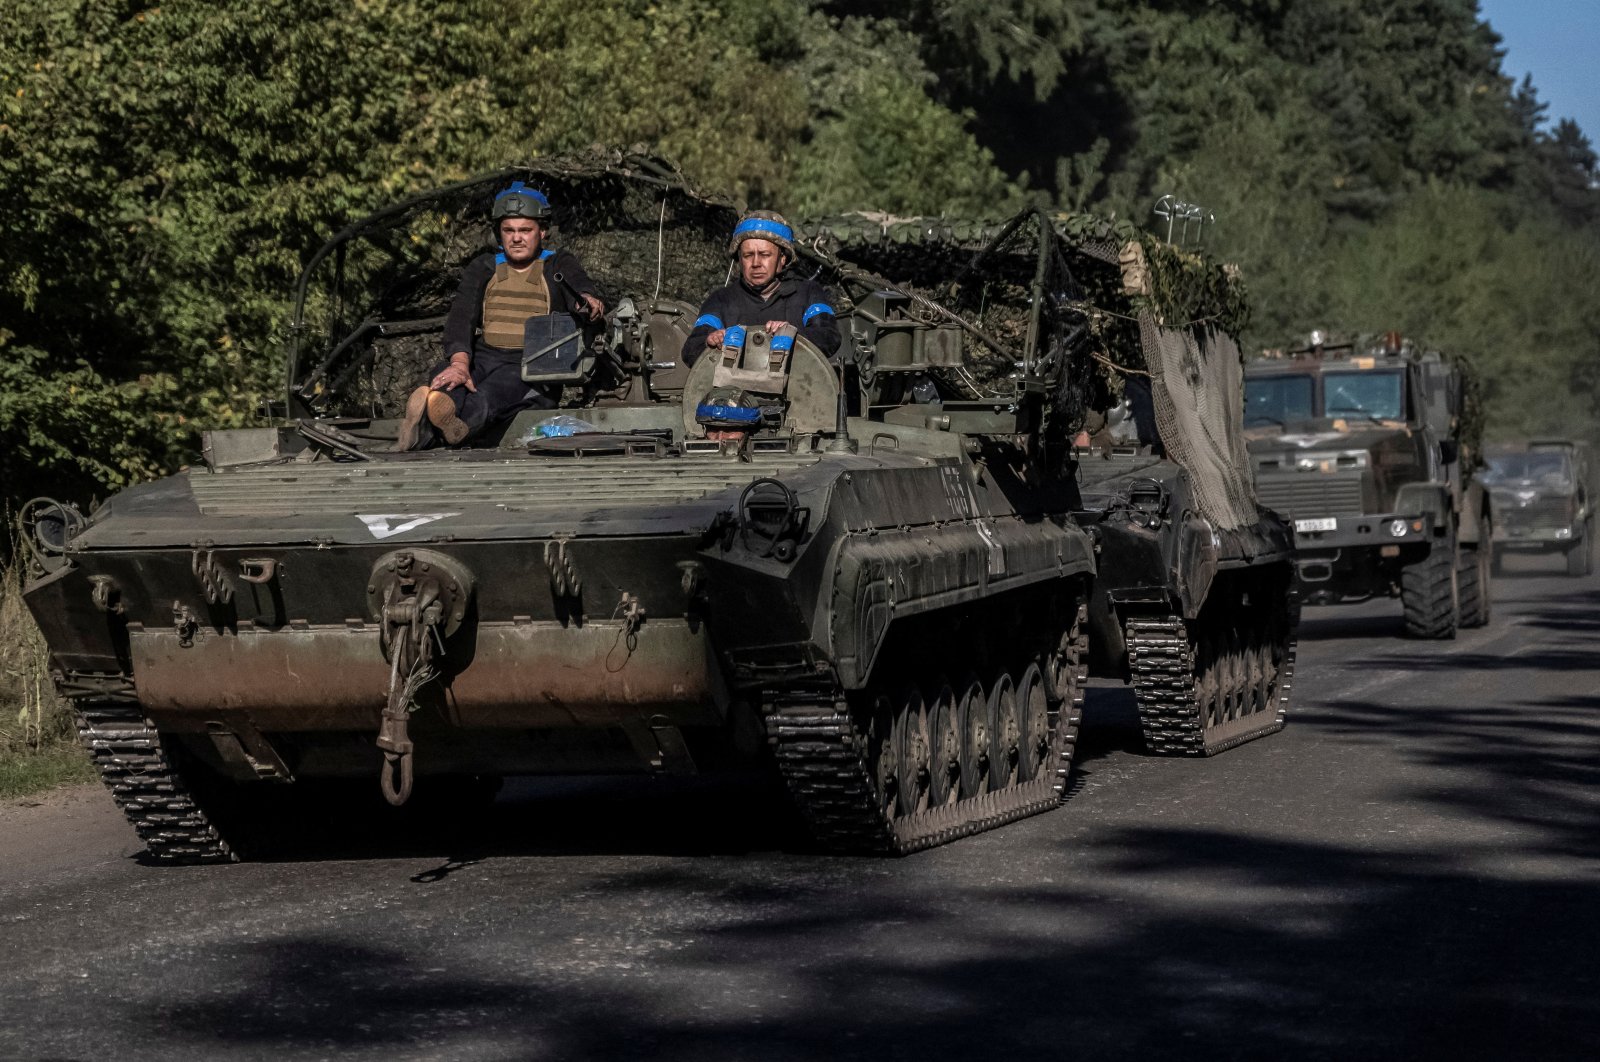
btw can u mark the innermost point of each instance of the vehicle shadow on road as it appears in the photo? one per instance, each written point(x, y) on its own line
point(1327, 623)
point(1140, 942)
point(534, 817)
point(1124, 940)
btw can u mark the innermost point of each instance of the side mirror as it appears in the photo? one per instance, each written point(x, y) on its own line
point(1449, 450)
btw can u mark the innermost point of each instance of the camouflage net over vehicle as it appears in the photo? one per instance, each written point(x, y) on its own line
point(1111, 272)
point(641, 231)
point(1132, 304)
point(367, 333)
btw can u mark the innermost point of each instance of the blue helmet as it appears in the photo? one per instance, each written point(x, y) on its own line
point(520, 201)
point(763, 225)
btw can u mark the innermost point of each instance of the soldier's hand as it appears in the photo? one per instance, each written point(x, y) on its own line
point(773, 326)
point(453, 377)
point(595, 309)
point(715, 338)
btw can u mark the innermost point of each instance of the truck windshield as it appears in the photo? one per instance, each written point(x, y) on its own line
point(1276, 399)
point(1535, 470)
point(1362, 394)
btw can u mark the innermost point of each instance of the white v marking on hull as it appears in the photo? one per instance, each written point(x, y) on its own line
point(387, 525)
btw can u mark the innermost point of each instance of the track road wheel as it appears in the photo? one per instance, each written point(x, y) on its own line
point(890, 770)
point(972, 717)
point(944, 768)
point(1429, 592)
point(1005, 733)
point(1033, 709)
point(913, 748)
point(884, 754)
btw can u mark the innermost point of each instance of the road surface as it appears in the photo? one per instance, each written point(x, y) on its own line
point(1410, 870)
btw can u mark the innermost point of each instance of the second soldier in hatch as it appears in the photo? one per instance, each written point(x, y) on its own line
point(763, 296)
point(480, 381)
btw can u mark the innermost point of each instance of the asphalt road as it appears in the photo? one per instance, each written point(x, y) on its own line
point(1408, 871)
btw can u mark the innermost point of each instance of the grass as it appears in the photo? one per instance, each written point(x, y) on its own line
point(38, 746)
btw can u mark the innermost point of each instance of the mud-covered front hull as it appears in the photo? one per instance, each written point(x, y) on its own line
point(518, 676)
point(633, 609)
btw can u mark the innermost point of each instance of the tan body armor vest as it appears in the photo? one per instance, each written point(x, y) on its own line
point(511, 298)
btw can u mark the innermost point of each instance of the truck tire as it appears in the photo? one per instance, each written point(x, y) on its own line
point(1472, 580)
point(1580, 557)
point(1429, 592)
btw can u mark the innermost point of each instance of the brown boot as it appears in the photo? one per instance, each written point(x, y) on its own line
point(442, 414)
point(411, 435)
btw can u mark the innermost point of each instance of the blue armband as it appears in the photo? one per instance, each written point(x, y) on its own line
point(708, 319)
point(814, 309)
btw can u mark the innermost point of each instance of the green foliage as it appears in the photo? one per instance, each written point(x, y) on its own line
point(38, 746)
point(165, 170)
point(879, 140)
point(1475, 275)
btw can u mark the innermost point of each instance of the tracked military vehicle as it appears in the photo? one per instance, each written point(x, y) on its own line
point(879, 589)
point(1370, 448)
point(1191, 600)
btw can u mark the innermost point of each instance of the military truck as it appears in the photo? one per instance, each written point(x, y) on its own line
point(1543, 493)
point(1370, 448)
point(879, 589)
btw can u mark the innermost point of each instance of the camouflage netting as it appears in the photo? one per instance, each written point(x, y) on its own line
point(636, 225)
point(1197, 380)
point(1134, 305)
point(370, 326)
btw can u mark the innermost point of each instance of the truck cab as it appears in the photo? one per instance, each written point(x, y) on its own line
point(1544, 493)
point(1368, 449)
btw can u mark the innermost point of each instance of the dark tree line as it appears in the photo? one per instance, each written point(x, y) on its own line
point(164, 170)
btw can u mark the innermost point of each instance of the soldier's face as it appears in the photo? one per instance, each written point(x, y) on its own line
point(521, 239)
point(759, 261)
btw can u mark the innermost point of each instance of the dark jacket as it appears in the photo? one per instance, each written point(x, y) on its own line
point(803, 303)
point(465, 318)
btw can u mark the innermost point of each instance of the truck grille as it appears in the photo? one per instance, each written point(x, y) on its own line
point(1548, 513)
point(1299, 495)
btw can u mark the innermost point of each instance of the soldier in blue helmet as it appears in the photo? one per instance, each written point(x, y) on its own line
point(763, 295)
point(480, 381)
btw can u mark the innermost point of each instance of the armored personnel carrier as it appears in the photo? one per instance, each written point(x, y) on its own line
point(1544, 495)
point(1370, 448)
point(1192, 597)
point(1191, 601)
point(879, 587)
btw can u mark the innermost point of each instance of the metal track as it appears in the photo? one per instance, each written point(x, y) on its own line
point(1171, 718)
point(133, 765)
point(823, 756)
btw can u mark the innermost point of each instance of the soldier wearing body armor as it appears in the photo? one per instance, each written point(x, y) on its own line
point(480, 381)
point(763, 296)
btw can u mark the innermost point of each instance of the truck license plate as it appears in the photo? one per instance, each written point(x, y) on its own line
point(1326, 523)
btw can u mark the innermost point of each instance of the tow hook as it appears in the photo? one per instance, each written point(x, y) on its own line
point(419, 598)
